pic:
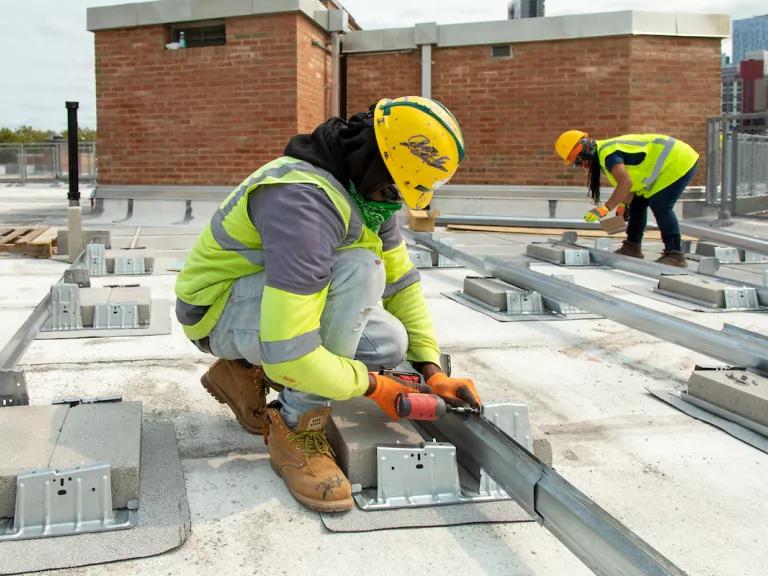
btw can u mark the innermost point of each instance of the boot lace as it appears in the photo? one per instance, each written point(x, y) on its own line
point(312, 442)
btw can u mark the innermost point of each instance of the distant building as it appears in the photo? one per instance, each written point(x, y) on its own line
point(749, 34)
point(753, 71)
point(731, 90)
point(525, 9)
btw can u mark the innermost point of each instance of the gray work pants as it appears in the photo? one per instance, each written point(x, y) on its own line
point(353, 323)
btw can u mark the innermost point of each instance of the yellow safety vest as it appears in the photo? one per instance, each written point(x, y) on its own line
point(666, 160)
point(292, 354)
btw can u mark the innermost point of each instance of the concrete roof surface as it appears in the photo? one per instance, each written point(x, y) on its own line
point(692, 491)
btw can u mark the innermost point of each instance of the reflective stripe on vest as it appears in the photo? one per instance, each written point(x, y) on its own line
point(193, 316)
point(291, 349)
point(189, 314)
point(667, 144)
point(410, 277)
point(256, 255)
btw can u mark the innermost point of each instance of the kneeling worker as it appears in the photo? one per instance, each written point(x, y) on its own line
point(646, 170)
point(284, 285)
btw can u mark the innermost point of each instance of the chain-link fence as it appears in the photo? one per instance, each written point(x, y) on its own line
point(737, 163)
point(44, 162)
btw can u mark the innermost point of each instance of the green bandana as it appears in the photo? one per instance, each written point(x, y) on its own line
point(374, 213)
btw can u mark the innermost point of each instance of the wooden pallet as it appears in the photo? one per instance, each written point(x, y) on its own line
point(36, 241)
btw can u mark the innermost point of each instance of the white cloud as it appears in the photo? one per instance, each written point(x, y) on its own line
point(49, 53)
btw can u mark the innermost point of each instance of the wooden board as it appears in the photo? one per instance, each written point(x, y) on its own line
point(36, 241)
point(649, 234)
point(47, 237)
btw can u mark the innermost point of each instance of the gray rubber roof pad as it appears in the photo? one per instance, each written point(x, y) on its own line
point(734, 429)
point(358, 520)
point(163, 520)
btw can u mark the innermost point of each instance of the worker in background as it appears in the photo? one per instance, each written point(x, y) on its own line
point(646, 170)
point(286, 284)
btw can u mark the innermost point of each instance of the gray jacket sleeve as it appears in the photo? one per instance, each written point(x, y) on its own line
point(300, 229)
point(389, 232)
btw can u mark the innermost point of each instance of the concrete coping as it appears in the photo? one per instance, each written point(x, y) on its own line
point(630, 22)
point(170, 11)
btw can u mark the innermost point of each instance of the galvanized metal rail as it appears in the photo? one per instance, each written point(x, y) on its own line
point(743, 241)
point(605, 545)
point(742, 352)
point(656, 270)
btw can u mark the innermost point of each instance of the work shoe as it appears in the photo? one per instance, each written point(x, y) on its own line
point(673, 258)
point(242, 389)
point(631, 249)
point(305, 461)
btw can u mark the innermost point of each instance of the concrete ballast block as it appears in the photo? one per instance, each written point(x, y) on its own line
point(356, 427)
point(29, 435)
point(104, 432)
point(89, 297)
point(140, 294)
point(492, 291)
point(545, 251)
point(710, 291)
point(738, 391)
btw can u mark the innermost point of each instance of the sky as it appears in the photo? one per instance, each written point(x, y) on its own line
point(47, 53)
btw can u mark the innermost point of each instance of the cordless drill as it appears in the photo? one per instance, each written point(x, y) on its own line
point(421, 404)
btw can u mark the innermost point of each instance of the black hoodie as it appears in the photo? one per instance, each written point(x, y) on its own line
point(346, 149)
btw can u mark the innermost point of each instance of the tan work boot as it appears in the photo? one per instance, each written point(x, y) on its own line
point(673, 258)
point(304, 459)
point(243, 389)
point(631, 249)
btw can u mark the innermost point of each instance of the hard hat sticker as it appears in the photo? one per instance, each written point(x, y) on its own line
point(421, 146)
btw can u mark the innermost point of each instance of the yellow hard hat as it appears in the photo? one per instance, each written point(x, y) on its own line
point(421, 143)
point(566, 144)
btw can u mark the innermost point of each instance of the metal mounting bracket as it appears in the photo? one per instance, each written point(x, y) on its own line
point(96, 259)
point(524, 302)
point(111, 315)
point(562, 307)
point(126, 265)
point(421, 257)
point(427, 475)
point(513, 420)
point(13, 388)
point(576, 257)
point(77, 276)
point(740, 298)
point(65, 502)
point(414, 476)
point(65, 308)
point(604, 244)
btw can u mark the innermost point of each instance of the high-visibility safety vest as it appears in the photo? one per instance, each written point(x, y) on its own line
point(292, 353)
point(666, 160)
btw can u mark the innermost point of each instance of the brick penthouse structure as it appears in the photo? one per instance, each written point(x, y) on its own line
point(256, 72)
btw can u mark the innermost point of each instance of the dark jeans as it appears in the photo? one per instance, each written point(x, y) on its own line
point(661, 204)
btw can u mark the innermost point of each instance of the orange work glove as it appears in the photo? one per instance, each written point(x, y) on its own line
point(622, 210)
point(386, 391)
point(455, 391)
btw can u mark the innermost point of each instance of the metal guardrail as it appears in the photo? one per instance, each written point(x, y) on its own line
point(737, 163)
point(44, 162)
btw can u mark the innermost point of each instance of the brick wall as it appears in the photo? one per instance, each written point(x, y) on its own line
point(679, 74)
point(200, 116)
point(513, 109)
point(210, 116)
point(314, 76)
point(371, 77)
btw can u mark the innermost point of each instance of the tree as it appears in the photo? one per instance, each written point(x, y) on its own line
point(27, 134)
